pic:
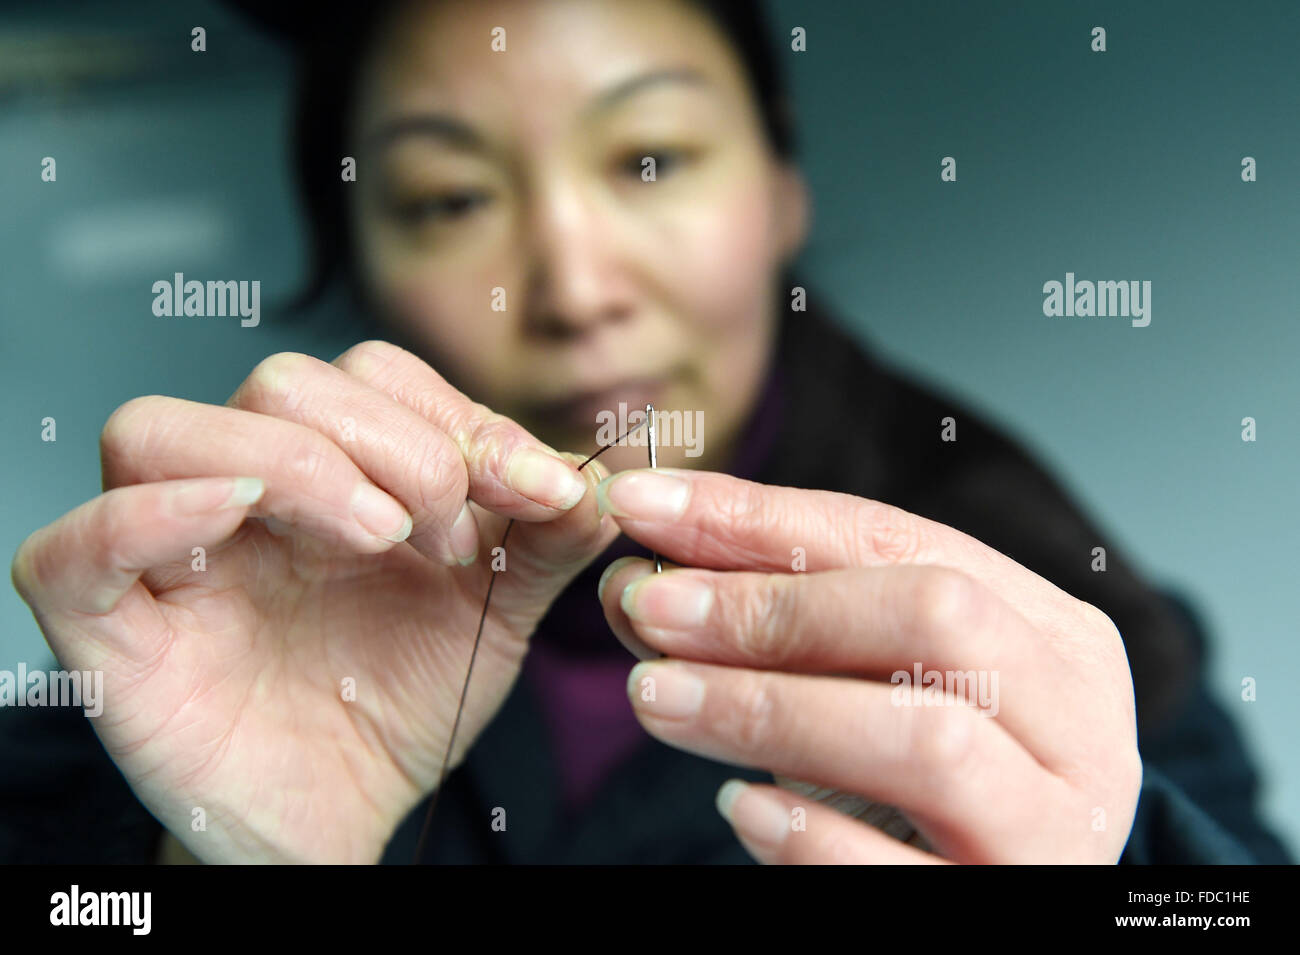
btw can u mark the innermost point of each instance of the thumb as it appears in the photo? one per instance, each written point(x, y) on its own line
point(539, 559)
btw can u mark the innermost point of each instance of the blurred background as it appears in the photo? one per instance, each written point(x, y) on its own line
point(1117, 165)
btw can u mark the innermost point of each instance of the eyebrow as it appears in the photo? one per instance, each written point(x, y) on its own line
point(636, 84)
point(452, 131)
point(458, 133)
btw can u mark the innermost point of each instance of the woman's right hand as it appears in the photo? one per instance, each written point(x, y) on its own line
point(298, 678)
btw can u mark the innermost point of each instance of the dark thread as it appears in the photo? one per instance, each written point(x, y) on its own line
point(478, 636)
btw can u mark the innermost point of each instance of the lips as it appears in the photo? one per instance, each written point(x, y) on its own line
point(581, 411)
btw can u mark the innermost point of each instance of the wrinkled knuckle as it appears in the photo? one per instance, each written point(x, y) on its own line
point(440, 475)
point(739, 509)
point(945, 602)
point(364, 359)
point(487, 437)
point(942, 741)
point(306, 462)
point(275, 382)
point(755, 715)
point(890, 534)
point(761, 620)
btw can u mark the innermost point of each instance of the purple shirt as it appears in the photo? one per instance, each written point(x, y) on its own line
point(577, 668)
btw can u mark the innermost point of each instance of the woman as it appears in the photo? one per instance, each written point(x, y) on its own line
point(559, 208)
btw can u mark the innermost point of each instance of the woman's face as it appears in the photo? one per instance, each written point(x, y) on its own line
point(503, 221)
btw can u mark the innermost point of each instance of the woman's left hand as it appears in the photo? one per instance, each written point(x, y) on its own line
point(1026, 753)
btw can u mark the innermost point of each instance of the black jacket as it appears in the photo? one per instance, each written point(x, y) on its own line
point(848, 424)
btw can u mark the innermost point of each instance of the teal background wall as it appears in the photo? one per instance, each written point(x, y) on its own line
point(1115, 165)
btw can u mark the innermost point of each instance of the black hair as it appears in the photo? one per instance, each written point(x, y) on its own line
point(329, 60)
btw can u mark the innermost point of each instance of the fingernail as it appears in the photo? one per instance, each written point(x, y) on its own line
point(545, 479)
point(614, 568)
point(676, 601)
point(200, 496)
point(666, 690)
point(247, 490)
point(464, 536)
point(380, 514)
point(728, 794)
point(643, 495)
point(761, 818)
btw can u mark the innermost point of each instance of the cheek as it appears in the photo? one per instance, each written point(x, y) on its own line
point(720, 261)
point(723, 259)
point(452, 320)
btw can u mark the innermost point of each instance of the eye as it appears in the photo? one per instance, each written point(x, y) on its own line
point(666, 162)
point(443, 207)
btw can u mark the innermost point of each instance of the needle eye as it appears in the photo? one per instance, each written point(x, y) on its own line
point(654, 463)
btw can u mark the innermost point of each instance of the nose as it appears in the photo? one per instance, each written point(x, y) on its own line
point(575, 279)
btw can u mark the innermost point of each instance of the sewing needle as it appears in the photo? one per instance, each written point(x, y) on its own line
point(654, 463)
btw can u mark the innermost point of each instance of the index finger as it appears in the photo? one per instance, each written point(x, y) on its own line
point(507, 466)
point(715, 521)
